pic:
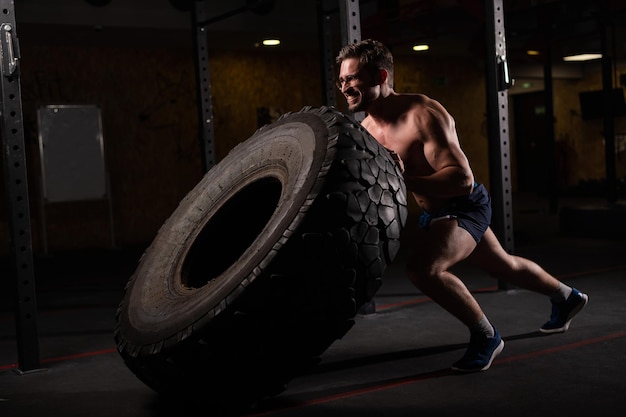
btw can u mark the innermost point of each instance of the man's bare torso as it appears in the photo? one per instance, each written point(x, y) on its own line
point(406, 127)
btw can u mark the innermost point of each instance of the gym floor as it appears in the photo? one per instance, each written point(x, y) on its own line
point(394, 362)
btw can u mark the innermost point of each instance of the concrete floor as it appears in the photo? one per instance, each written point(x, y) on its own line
point(392, 363)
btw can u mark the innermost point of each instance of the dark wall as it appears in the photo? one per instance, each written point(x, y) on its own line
point(147, 97)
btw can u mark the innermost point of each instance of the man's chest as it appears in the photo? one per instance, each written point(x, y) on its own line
point(407, 144)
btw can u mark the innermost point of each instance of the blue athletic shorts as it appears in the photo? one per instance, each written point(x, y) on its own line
point(472, 212)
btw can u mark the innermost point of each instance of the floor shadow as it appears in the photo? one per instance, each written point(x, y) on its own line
point(352, 363)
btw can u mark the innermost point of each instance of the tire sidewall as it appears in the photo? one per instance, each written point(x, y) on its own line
point(161, 310)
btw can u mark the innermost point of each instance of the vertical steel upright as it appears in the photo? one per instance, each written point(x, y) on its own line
point(548, 159)
point(327, 58)
point(350, 18)
point(608, 114)
point(203, 79)
point(14, 158)
point(497, 84)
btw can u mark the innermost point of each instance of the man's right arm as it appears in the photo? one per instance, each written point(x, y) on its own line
point(452, 175)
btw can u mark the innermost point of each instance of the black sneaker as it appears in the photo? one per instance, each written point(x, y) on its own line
point(564, 312)
point(480, 352)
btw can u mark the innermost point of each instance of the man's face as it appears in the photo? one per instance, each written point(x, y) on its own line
point(356, 85)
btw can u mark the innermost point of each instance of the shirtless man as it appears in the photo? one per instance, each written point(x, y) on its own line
point(456, 210)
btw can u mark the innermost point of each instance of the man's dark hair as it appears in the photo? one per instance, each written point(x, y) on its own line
point(373, 54)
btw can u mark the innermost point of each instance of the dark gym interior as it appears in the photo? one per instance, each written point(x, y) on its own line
point(166, 89)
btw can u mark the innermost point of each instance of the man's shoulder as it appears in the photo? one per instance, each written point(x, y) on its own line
point(418, 103)
point(424, 106)
point(414, 97)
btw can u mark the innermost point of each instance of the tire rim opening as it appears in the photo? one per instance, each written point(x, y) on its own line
point(230, 232)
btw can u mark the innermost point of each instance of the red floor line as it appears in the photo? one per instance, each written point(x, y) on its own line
point(436, 374)
point(593, 271)
point(79, 355)
point(425, 299)
point(354, 393)
point(495, 287)
point(402, 303)
point(570, 346)
point(65, 358)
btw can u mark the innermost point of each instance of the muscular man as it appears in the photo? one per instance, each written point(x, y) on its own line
point(456, 210)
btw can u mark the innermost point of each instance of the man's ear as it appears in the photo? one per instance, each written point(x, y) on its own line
point(383, 74)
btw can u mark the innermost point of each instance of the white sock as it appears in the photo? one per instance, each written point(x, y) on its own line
point(483, 327)
point(561, 294)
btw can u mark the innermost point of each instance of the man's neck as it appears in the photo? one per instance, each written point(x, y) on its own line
point(381, 110)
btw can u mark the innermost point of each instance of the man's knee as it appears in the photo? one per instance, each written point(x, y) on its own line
point(422, 274)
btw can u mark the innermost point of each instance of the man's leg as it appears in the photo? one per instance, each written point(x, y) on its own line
point(438, 249)
point(490, 256)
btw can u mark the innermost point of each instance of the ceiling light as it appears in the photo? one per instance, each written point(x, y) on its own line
point(581, 57)
point(420, 48)
point(271, 42)
point(532, 52)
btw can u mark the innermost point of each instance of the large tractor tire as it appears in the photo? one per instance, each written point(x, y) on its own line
point(265, 263)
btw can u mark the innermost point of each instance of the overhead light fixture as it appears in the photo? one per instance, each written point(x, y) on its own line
point(420, 48)
point(98, 3)
point(581, 57)
point(271, 42)
point(532, 52)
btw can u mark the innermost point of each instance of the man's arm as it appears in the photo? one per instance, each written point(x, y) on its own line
point(452, 175)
